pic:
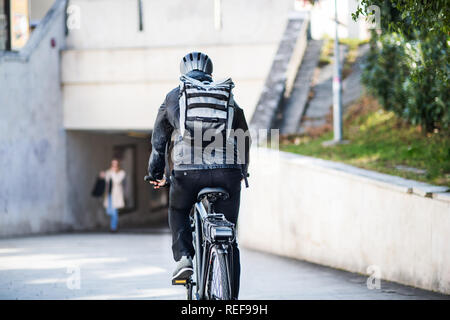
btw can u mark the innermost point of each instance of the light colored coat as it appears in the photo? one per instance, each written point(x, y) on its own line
point(117, 194)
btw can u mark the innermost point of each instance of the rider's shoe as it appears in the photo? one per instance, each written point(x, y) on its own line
point(184, 269)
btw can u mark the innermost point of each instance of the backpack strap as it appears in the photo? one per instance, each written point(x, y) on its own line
point(183, 107)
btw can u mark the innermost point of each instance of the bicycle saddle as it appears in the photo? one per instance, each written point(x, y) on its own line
point(212, 194)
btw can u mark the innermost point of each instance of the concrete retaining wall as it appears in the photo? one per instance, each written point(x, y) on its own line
point(32, 139)
point(348, 218)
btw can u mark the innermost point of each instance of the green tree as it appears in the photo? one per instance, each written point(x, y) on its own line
point(406, 16)
point(408, 65)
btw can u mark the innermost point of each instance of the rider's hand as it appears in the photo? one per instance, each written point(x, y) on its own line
point(159, 183)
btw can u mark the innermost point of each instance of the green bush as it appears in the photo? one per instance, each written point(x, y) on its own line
point(408, 65)
point(409, 76)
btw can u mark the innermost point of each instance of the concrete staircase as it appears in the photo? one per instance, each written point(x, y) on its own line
point(321, 102)
point(281, 76)
point(298, 95)
point(320, 105)
point(294, 106)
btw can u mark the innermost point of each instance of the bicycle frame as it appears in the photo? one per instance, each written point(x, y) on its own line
point(205, 243)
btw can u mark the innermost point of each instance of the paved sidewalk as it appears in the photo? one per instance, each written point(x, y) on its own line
point(138, 265)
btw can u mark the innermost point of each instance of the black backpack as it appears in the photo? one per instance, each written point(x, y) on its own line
point(205, 105)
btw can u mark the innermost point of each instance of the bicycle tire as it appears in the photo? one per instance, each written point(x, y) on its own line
point(197, 243)
point(218, 287)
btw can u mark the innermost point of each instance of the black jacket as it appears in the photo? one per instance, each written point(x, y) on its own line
point(167, 121)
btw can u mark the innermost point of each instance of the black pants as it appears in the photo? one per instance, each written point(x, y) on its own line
point(184, 188)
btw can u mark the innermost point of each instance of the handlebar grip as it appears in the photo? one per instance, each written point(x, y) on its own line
point(245, 176)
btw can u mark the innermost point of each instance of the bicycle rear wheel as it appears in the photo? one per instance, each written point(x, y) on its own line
point(197, 243)
point(218, 285)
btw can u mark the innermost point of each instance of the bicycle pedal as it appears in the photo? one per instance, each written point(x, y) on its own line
point(181, 282)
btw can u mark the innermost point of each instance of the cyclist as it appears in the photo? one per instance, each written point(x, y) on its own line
point(213, 166)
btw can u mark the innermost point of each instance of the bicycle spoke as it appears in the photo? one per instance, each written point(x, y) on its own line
point(216, 280)
point(218, 288)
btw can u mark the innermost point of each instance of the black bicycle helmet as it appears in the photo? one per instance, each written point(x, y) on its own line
point(196, 61)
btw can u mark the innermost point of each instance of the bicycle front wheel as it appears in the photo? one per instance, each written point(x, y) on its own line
point(218, 285)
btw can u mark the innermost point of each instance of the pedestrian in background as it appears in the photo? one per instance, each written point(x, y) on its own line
point(114, 194)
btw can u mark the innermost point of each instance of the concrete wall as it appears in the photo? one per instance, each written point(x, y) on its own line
point(123, 89)
point(110, 66)
point(3, 24)
point(348, 218)
point(176, 23)
point(39, 8)
point(32, 140)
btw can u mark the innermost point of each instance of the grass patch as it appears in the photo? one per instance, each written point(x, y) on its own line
point(380, 141)
point(327, 52)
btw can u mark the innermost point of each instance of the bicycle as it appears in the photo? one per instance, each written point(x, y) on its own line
point(213, 237)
